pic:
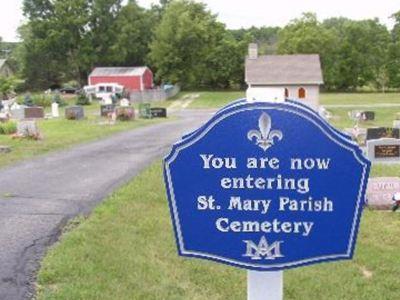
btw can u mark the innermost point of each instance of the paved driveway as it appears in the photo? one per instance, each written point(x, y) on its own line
point(39, 196)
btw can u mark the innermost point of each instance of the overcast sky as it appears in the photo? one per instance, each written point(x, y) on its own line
point(237, 14)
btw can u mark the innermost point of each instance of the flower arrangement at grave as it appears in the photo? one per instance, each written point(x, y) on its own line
point(125, 113)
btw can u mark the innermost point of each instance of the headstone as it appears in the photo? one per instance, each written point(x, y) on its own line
point(367, 115)
point(124, 102)
point(28, 129)
point(54, 110)
point(144, 110)
point(105, 110)
point(18, 113)
point(158, 112)
point(15, 105)
point(384, 150)
point(107, 101)
point(34, 112)
point(382, 132)
point(354, 115)
point(125, 113)
point(396, 124)
point(74, 113)
point(236, 187)
point(380, 192)
point(4, 149)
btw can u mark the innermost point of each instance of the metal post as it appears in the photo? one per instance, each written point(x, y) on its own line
point(264, 285)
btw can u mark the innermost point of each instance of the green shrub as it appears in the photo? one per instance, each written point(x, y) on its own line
point(56, 98)
point(8, 128)
point(42, 100)
point(82, 99)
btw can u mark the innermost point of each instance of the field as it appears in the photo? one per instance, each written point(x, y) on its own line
point(61, 133)
point(126, 250)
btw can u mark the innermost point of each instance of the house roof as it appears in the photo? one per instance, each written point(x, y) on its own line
point(284, 69)
point(118, 71)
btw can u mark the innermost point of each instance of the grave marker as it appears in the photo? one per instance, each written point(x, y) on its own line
point(158, 112)
point(382, 132)
point(34, 112)
point(74, 112)
point(380, 192)
point(384, 150)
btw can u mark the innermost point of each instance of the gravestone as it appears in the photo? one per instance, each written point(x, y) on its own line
point(144, 110)
point(28, 129)
point(18, 113)
point(34, 112)
point(236, 186)
point(382, 132)
point(380, 192)
point(105, 110)
point(4, 149)
point(124, 102)
point(158, 112)
point(383, 150)
point(354, 114)
point(54, 110)
point(74, 113)
point(125, 113)
point(367, 115)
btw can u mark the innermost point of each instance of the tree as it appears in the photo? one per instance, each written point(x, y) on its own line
point(134, 26)
point(353, 53)
point(393, 60)
point(183, 41)
point(306, 35)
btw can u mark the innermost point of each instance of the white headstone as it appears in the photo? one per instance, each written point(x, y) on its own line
point(124, 102)
point(54, 110)
point(107, 101)
point(384, 150)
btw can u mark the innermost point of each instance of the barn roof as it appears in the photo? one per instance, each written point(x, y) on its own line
point(118, 71)
point(284, 69)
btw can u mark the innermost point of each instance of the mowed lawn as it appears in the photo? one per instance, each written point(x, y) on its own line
point(219, 99)
point(61, 133)
point(126, 250)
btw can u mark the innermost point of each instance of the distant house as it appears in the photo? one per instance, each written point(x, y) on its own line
point(131, 78)
point(5, 69)
point(297, 77)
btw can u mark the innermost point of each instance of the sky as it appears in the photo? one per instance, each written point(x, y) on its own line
point(236, 14)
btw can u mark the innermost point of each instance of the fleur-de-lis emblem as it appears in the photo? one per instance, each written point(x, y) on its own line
point(265, 136)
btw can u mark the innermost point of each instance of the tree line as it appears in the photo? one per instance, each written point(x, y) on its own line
point(183, 42)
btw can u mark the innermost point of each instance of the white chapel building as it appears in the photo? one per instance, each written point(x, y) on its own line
point(295, 77)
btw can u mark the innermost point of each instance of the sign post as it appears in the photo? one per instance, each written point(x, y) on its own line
point(266, 187)
point(264, 285)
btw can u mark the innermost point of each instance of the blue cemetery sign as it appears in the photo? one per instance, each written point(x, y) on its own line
point(266, 186)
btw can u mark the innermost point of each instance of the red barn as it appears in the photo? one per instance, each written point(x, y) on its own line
point(132, 78)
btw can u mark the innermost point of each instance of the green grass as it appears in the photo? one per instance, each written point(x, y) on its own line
point(126, 250)
point(61, 133)
point(215, 99)
point(359, 98)
point(219, 99)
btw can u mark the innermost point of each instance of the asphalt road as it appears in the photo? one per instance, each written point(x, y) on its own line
point(39, 196)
